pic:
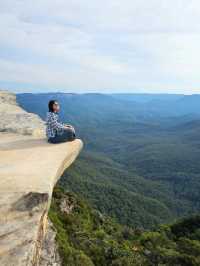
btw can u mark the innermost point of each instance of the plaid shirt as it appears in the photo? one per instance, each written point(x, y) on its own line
point(53, 125)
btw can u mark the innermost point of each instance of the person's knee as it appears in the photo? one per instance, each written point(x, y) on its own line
point(68, 134)
point(71, 128)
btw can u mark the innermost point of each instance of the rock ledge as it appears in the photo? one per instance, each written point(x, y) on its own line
point(29, 169)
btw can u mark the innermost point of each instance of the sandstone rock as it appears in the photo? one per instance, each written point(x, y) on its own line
point(29, 169)
point(15, 119)
point(49, 251)
point(66, 206)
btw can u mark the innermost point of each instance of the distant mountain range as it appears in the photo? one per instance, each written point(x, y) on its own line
point(139, 105)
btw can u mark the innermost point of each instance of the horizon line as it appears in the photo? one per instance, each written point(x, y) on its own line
point(109, 93)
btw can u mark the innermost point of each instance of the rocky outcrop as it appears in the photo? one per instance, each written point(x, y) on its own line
point(29, 169)
point(49, 252)
point(15, 119)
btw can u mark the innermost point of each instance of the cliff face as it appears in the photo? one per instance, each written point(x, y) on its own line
point(29, 169)
point(49, 255)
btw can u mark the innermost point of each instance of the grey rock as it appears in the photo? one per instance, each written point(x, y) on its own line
point(15, 119)
point(49, 253)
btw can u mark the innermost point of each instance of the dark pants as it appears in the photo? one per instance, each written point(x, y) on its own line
point(67, 134)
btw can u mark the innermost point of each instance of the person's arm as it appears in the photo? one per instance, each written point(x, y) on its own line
point(67, 125)
point(54, 122)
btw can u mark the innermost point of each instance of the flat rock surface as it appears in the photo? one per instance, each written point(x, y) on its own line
point(29, 169)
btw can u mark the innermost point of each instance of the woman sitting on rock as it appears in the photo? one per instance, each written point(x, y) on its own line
point(56, 131)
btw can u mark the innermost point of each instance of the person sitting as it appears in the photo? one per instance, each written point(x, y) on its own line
point(57, 131)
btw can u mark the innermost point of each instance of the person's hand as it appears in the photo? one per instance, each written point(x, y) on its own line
point(69, 126)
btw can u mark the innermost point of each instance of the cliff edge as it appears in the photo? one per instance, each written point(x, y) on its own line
point(29, 169)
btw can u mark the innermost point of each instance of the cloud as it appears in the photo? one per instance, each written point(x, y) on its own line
point(109, 45)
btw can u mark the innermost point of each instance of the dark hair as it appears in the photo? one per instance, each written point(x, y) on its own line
point(51, 103)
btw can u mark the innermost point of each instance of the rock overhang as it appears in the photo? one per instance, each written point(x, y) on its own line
point(29, 170)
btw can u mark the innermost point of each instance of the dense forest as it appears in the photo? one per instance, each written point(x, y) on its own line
point(140, 162)
point(87, 237)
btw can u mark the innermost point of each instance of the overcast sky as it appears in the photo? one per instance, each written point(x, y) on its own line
point(105, 46)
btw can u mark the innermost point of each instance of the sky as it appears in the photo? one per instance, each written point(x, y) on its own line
point(100, 46)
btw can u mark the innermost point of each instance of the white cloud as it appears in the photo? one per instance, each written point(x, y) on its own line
point(109, 45)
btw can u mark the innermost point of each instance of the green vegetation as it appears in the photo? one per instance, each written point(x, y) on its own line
point(176, 244)
point(114, 191)
point(86, 237)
